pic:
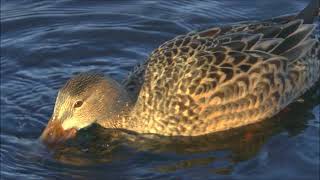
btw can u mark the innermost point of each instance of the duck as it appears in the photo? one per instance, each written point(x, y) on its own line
point(202, 82)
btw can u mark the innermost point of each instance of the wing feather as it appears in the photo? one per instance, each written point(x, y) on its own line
point(243, 72)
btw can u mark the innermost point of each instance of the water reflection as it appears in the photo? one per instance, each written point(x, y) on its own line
point(43, 43)
point(218, 151)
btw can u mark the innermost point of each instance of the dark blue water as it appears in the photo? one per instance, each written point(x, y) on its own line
point(43, 43)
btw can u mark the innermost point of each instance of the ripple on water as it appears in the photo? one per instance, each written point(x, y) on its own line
point(43, 43)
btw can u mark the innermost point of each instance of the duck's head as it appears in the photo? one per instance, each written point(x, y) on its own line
point(85, 99)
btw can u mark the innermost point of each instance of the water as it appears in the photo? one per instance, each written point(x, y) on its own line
point(43, 43)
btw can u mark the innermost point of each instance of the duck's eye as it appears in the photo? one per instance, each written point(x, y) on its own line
point(78, 104)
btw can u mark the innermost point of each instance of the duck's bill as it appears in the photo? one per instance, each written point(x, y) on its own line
point(55, 134)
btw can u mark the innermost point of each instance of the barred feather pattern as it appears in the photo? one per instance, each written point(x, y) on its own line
point(224, 77)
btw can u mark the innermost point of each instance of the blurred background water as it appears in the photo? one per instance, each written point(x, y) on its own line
point(43, 43)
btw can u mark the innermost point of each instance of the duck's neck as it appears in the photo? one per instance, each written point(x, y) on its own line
point(120, 121)
point(120, 117)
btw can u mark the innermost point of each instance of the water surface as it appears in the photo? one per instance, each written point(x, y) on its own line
point(44, 43)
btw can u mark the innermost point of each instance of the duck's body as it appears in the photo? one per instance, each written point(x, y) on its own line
point(224, 77)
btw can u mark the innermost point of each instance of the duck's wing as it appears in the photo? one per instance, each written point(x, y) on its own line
point(135, 78)
point(269, 28)
point(245, 72)
point(133, 82)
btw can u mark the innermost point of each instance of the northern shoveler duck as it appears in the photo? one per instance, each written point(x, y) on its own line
point(202, 82)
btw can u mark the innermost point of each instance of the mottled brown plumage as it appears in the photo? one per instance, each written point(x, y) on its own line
point(220, 78)
point(226, 77)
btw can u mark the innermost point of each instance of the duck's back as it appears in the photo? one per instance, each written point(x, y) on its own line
point(227, 77)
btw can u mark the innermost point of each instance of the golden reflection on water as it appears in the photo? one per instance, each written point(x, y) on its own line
point(97, 145)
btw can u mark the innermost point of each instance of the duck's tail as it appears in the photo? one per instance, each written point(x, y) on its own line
point(309, 13)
